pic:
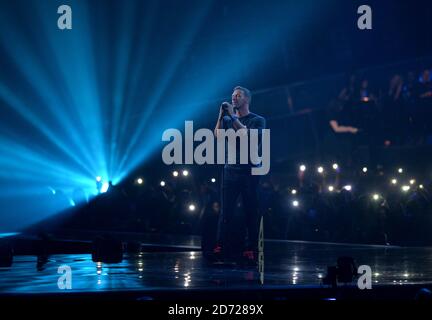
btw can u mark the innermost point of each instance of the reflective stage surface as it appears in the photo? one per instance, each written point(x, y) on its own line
point(286, 264)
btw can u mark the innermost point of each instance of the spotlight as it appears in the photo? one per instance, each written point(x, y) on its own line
point(105, 187)
point(335, 166)
point(162, 183)
point(365, 169)
point(98, 178)
point(348, 187)
point(175, 173)
point(302, 168)
point(393, 181)
point(405, 188)
point(185, 173)
point(293, 191)
point(213, 180)
point(192, 207)
point(400, 170)
point(375, 196)
point(140, 181)
point(330, 188)
point(412, 181)
point(320, 169)
point(295, 203)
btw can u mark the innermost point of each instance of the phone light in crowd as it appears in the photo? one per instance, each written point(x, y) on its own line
point(140, 181)
point(293, 191)
point(400, 170)
point(175, 173)
point(302, 168)
point(365, 169)
point(335, 166)
point(295, 203)
point(320, 169)
point(347, 187)
point(98, 178)
point(192, 207)
point(330, 188)
point(405, 188)
point(412, 181)
point(421, 186)
point(376, 196)
point(185, 173)
point(213, 180)
point(393, 181)
point(162, 183)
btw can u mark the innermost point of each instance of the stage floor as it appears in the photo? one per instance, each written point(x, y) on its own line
point(287, 264)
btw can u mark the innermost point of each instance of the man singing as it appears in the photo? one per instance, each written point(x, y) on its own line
point(238, 180)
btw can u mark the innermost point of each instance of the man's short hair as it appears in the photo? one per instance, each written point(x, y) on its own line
point(246, 92)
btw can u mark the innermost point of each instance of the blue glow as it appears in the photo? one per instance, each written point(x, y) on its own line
point(94, 101)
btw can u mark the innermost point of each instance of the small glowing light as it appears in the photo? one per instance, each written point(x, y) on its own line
point(162, 183)
point(105, 187)
point(406, 275)
point(320, 276)
point(302, 168)
point(330, 188)
point(348, 187)
point(175, 173)
point(405, 188)
point(293, 191)
point(296, 269)
point(140, 181)
point(185, 173)
point(412, 181)
point(376, 274)
point(375, 196)
point(335, 166)
point(72, 203)
point(192, 207)
point(140, 269)
point(295, 203)
point(421, 186)
point(365, 169)
point(320, 169)
point(400, 170)
point(393, 181)
point(213, 180)
point(98, 178)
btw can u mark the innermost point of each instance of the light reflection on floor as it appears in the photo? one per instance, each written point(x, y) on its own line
point(286, 264)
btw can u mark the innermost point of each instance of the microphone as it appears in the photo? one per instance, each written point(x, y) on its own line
point(225, 105)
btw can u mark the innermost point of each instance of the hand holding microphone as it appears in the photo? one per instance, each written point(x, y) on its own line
point(227, 109)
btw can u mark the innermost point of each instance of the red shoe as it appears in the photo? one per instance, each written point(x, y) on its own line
point(250, 257)
point(217, 250)
point(217, 254)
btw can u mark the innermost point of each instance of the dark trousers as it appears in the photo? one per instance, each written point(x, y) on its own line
point(238, 182)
